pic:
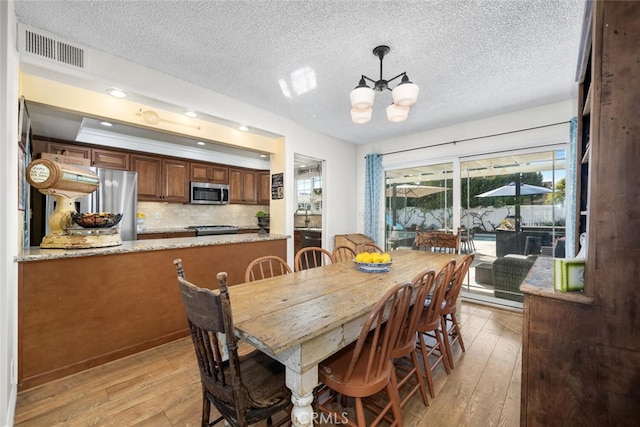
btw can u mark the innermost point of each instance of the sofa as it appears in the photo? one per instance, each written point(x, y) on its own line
point(508, 273)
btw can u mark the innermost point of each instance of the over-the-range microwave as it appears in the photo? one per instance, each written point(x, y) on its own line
point(206, 193)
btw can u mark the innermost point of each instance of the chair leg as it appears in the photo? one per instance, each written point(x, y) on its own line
point(452, 334)
point(447, 343)
point(362, 422)
point(394, 397)
point(418, 372)
point(427, 365)
point(206, 410)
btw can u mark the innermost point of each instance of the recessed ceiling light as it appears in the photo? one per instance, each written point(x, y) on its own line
point(190, 113)
point(107, 124)
point(200, 143)
point(117, 93)
point(243, 128)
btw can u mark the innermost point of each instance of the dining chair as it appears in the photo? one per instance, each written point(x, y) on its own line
point(244, 390)
point(343, 254)
point(266, 266)
point(429, 326)
point(449, 321)
point(364, 368)
point(312, 257)
point(438, 241)
point(466, 241)
point(405, 358)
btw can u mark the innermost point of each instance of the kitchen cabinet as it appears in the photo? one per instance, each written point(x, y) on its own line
point(164, 180)
point(297, 241)
point(110, 159)
point(166, 235)
point(264, 187)
point(202, 172)
point(248, 230)
point(242, 186)
point(131, 298)
point(99, 157)
point(580, 354)
point(149, 171)
point(69, 150)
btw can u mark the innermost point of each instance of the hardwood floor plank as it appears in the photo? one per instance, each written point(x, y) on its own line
point(487, 399)
point(510, 415)
point(161, 386)
point(451, 403)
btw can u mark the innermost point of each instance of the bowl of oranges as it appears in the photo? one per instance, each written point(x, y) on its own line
point(373, 262)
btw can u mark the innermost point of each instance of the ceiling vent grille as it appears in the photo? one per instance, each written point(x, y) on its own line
point(56, 50)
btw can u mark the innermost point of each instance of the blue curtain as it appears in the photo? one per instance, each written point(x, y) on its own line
point(373, 188)
point(570, 190)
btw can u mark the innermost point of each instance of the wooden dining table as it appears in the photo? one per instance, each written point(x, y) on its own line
point(302, 318)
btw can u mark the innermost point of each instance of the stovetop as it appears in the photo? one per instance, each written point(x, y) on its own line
point(210, 230)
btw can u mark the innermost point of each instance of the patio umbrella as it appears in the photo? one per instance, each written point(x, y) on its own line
point(413, 191)
point(510, 190)
point(410, 191)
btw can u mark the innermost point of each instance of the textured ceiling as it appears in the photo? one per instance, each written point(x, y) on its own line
point(471, 59)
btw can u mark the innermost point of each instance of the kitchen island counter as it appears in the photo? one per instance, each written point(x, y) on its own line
point(84, 307)
point(37, 254)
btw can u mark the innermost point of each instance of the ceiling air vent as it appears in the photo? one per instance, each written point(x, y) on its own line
point(56, 50)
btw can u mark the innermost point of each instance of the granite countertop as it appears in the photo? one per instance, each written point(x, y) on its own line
point(37, 254)
point(539, 282)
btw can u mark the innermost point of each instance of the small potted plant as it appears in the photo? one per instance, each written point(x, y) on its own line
point(263, 221)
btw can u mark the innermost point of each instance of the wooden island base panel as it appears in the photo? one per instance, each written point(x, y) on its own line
point(76, 312)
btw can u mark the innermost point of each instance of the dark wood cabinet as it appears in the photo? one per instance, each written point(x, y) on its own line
point(161, 179)
point(243, 186)
point(175, 181)
point(166, 235)
point(580, 355)
point(202, 172)
point(69, 150)
point(110, 159)
point(149, 171)
point(264, 188)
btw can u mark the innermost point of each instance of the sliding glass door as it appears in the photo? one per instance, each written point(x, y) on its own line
point(510, 211)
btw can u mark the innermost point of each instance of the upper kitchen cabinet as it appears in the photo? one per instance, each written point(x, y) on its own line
point(264, 187)
point(202, 172)
point(99, 157)
point(68, 150)
point(243, 186)
point(163, 180)
point(110, 159)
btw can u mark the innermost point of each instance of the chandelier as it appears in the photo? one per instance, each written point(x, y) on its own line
point(405, 94)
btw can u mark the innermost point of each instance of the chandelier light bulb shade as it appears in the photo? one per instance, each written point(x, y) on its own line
point(362, 97)
point(361, 117)
point(406, 93)
point(397, 113)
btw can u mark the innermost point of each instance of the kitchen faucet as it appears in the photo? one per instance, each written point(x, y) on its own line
point(306, 216)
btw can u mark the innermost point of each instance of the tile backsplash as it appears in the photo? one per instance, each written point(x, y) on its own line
point(160, 215)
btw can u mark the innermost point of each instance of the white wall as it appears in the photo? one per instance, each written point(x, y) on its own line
point(9, 223)
point(526, 129)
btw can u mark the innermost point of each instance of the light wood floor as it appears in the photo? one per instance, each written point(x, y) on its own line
point(161, 387)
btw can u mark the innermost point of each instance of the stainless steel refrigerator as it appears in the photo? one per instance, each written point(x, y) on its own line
point(118, 193)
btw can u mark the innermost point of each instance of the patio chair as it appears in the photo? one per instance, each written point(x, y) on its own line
point(437, 241)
